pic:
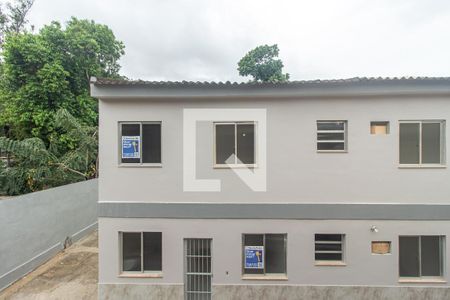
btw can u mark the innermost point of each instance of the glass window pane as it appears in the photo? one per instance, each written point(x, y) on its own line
point(409, 143)
point(328, 247)
point(152, 251)
point(330, 136)
point(275, 253)
point(431, 256)
point(331, 125)
point(130, 130)
point(246, 143)
point(253, 240)
point(431, 143)
point(151, 143)
point(409, 256)
point(328, 256)
point(224, 143)
point(331, 146)
point(131, 251)
point(328, 237)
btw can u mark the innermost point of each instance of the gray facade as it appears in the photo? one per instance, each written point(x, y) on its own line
point(308, 192)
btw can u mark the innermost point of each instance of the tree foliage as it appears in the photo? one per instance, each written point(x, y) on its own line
point(262, 65)
point(36, 166)
point(48, 121)
point(50, 70)
point(13, 17)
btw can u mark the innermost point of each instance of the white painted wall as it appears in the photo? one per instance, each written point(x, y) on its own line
point(368, 173)
point(362, 267)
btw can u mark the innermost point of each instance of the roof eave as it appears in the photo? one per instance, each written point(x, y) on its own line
point(285, 91)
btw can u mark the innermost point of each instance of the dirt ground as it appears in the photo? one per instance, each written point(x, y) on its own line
point(72, 274)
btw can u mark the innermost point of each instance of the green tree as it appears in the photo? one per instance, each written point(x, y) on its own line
point(262, 65)
point(13, 17)
point(50, 70)
point(35, 166)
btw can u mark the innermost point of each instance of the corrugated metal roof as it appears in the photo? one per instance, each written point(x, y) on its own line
point(120, 82)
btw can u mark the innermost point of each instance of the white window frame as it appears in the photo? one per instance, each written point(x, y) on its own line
point(143, 273)
point(264, 275)
point(340, 262)
point(138, 164)
point(442, 260)
point(236, 165)
point(442, 163)
point(345, 150)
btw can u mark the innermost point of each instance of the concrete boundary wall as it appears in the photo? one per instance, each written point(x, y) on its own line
point(34, 227)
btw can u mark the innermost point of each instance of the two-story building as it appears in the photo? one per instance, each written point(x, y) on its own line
point(331, 189)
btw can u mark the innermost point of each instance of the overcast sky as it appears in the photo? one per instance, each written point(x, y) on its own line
point(204, 39)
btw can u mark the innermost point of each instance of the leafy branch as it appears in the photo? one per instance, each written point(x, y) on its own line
point(35, 166)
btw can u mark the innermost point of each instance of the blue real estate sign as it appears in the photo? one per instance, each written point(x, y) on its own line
point(254, 257)
point(130, 147)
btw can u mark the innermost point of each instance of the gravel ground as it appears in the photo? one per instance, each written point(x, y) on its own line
point(72, 274)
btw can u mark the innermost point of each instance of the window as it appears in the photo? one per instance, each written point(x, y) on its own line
point(264, 254)
point(379, 127)
point(329, 247)
point(422, 142)
point(235, 143)
point(331, 136)
point(421, 256)
point(140, 142)
point(381, 247)
point(141, 251)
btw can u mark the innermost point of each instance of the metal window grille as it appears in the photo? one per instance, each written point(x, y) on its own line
point(198, 273)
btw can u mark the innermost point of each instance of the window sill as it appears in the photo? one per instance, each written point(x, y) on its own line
point(141, 275)
point(332, 151)
point(423, 166)
point(243, 166)
point(422, 280)
point(330, 263)
point(265, 277)
point(137, 165)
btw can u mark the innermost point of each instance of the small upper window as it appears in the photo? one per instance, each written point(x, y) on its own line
point(331, 136)
point(235, 143)
point(379, 127)
point(140, 142)
point(329, 247)
point(141, 251)
point(381, 247)
point(264, 254)
point(422, 142)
